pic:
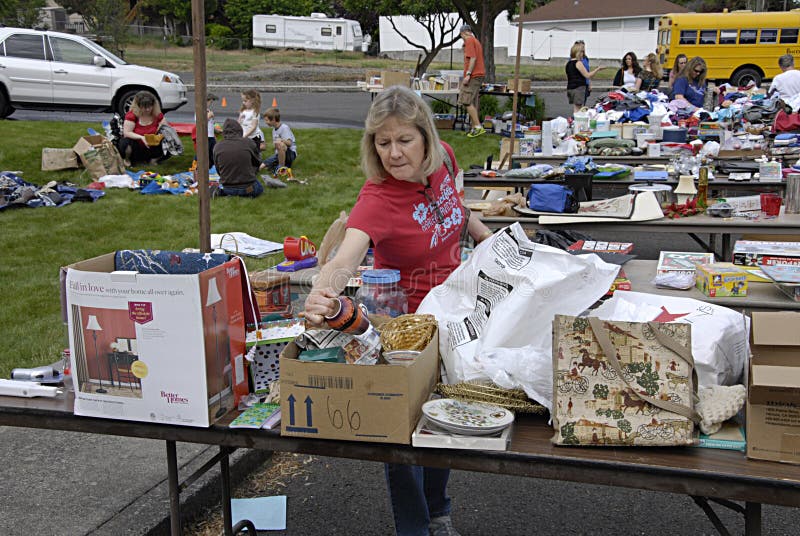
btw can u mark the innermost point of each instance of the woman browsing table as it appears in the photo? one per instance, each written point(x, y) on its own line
point(649, 77)
point(410, 211)
point(630, 69)
point(691, 84)
point(578, 76)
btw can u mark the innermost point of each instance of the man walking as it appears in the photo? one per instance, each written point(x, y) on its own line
point(786, 84)
point(474, 73)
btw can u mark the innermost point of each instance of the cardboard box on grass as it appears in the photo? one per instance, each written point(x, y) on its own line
point(375, 403)
point(773, 398)
point(182, 335)
point(54, 159)
point(720, 279)
point(523, 86)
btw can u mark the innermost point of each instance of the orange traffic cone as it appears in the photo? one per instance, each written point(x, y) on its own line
point(274, 102)
point(224, 102)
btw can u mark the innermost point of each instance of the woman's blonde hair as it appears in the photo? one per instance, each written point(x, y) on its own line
point(652, 60)
point(254, 96)
point(145, 98)
point(409, 108)
point(575, 50)
point(688, 70)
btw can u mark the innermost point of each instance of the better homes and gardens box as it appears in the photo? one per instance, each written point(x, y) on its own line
point(157, 347)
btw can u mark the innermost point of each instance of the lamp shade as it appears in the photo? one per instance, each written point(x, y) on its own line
point(213, 292)
point(93, 324)
point(686, 185)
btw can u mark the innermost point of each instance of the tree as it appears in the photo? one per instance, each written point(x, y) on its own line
point(21, 13)
point(106, 18)
point(625, 426)
point(649, 380)
point(600, 390)
point(179, 11)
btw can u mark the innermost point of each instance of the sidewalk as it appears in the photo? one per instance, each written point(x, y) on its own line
point(74, 484)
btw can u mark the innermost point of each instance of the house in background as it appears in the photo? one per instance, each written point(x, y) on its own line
point(610, 28)
point(54, 17)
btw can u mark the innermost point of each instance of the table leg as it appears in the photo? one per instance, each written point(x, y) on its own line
point(225, 481)
point(174, 491)
point(727, 252)
point(109, 357)
point(752, 519)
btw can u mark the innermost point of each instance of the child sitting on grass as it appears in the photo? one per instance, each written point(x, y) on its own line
point(283, 141)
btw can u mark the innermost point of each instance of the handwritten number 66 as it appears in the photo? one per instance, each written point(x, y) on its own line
point(337, 418)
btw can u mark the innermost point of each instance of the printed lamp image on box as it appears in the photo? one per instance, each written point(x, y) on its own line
point(159, 346)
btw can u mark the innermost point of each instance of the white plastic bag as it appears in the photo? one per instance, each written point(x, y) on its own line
point(495, 312)
point(720, 336)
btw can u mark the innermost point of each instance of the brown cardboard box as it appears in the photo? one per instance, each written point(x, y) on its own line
point(55, 159)
point(773, 399)
point(395, 78)
point(376, 403)
point(523, 86)
point(445, 124)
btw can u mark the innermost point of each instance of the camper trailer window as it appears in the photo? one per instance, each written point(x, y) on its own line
point(271, 28)
point(339, 31)
point(326, 32)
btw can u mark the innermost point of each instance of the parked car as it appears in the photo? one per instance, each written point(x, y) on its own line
point(45, 70)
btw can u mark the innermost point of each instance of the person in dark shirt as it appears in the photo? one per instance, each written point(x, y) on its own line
point(237, 162)
point(577, 76)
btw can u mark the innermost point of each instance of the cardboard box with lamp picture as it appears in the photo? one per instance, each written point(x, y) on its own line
point(150, 345)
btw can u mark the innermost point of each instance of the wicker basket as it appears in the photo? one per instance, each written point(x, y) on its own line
point(513, 399)
point(408, 332)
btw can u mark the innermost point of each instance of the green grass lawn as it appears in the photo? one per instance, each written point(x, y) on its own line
point(175, 58)
point(35, 243)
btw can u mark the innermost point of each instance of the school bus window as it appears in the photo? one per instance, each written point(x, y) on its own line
point(727, 37)
point(708, 37)
point(747, 37)
point(768, 36)
point(789, 36)
point(688, 37)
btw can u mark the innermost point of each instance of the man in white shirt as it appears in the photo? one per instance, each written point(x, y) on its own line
point(786, 84)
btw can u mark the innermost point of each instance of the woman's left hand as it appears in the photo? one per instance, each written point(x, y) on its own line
point(319, 304)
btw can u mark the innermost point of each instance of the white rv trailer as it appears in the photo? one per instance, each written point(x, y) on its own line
point(316, 32)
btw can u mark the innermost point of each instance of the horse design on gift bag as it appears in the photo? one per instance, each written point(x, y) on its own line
point(630, 402)
point(592, 362)
point(676, 380)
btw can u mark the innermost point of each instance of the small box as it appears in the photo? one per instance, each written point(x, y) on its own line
point(773, 398)
point(395, 78)
point(181, 360)
point(323, 355)
point(681, 262)
point(745, 203)
point(375, 403)
point(720, 280)
point(758, 253)
point(522, 86)
point(444, 121)
point(273, 292)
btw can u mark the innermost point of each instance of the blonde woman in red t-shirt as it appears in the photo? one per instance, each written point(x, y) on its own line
point(410, 211)
point(143, 118)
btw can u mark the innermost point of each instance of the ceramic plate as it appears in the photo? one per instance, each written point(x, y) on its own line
point(467, 417)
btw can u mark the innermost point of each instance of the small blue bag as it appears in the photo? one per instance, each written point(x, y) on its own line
point(552, 198)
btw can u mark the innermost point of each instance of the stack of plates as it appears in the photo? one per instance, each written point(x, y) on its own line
point(467, 418)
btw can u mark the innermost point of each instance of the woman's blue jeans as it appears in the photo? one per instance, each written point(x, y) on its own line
point(418, 494)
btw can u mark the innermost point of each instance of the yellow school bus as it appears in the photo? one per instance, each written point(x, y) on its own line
point(739, 46)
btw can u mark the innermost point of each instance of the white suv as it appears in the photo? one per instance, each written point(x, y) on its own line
point(45, 70)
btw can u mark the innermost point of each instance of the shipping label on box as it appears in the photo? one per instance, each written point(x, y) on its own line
point(773, 398)
point(161, 348)
point(720, 280)
point(376, 403)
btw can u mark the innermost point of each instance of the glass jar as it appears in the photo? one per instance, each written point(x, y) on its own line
point(380, 292)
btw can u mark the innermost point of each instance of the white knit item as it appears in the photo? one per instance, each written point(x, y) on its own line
point(717, 404)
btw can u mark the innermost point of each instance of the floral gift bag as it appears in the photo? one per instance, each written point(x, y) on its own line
point(622, 383)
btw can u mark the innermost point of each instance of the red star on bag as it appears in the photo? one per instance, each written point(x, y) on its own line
point(666, 316)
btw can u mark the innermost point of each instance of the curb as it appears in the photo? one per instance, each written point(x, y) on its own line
point(148, 515)
point(281, 88)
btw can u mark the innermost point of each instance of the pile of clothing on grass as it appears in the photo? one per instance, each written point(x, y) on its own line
point(15, 193)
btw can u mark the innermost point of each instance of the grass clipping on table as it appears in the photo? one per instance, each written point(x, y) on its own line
point(513, 399)
point(407, 332)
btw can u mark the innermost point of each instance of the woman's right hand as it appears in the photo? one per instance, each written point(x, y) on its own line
point(319, 304)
